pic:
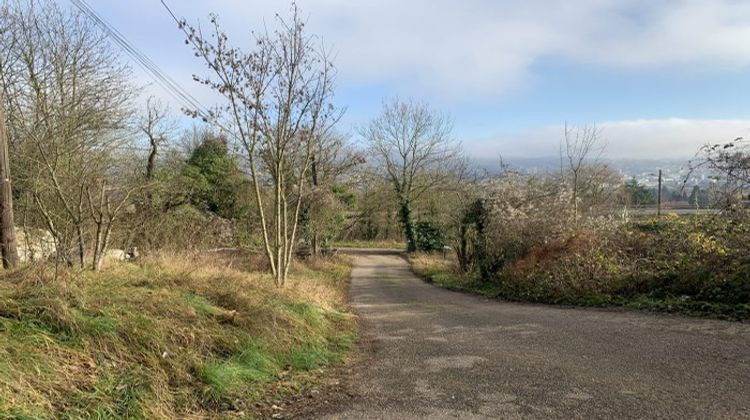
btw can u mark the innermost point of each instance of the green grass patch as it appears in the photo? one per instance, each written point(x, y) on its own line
point(311, 314)
point(228, 377)
point(93, 323)
point(201, 304)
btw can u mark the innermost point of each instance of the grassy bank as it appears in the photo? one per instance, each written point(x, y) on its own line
point(694, 266)
point(170, 337)
point(443, 272)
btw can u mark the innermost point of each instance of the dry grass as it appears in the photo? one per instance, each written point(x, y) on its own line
point(424, 262)
point(175, 336)
point(377, 244)
point(439, 270)
point(556, 248)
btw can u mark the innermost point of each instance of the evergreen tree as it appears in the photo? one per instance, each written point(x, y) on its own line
point(639, 195)
point(215, 178)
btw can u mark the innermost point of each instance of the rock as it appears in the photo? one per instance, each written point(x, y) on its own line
point(115, 255)
point(118, 255)
point(34, 244)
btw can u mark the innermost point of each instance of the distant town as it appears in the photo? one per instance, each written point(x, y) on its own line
point(684, 184)
point(675, 172)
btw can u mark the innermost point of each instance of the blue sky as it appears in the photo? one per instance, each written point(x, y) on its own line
point(660, 78)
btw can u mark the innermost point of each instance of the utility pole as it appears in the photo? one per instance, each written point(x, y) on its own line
point(315, 239)
point(8, 248)
point(658, 197)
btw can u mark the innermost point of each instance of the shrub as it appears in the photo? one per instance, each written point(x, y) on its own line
point(516, 214)
point(690, 260)
point(526, 245)
point(428, 236)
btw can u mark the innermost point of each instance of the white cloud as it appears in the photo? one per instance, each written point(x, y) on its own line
point(483, 48)
point(474, 50)
point(636, 139)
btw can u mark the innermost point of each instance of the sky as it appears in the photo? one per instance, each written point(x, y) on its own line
point(659, 78)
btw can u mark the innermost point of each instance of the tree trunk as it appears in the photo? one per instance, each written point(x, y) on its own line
point(150, 168)
point(575, 198)
point(315, 244)
point(151, 164)
point(81, 244)
point(8, 247)
point(96, 263)
point(463, 248)
point(278, 227)
point(103, 245)
point(407, 223)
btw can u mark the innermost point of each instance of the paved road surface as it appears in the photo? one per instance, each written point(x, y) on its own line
point(438, 354)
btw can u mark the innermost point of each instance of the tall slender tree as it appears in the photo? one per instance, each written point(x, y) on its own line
point(278, 105)
point(580, 151)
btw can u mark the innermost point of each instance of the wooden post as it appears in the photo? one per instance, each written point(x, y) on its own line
point(7, 230)
point(315, 239)
point(658, 198)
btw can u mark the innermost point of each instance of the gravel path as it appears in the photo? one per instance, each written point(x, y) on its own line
point(439, 354)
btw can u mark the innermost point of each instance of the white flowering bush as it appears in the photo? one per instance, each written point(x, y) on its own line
point(522, 212)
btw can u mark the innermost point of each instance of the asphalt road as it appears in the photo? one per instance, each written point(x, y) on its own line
point(437, 354)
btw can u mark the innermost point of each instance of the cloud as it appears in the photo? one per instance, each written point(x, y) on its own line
point(634, 139)
point(484, 48)
point(478, 48)
point(466, 52)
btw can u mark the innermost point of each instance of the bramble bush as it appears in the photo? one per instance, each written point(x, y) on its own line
point(700, 264)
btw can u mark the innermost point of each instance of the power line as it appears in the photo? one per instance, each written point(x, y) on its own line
point(164, 3)
point(159, 76)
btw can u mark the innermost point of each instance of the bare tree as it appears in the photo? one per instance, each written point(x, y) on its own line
point(580, 150)
point(730, 162)
point(278, 104)
point(106, 207)
point(8, 246)
point(332, 162)
point(414, 150)
point(68, 102)
point(157, 126)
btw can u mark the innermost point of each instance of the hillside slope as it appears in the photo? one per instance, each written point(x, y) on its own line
point(170, 337)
